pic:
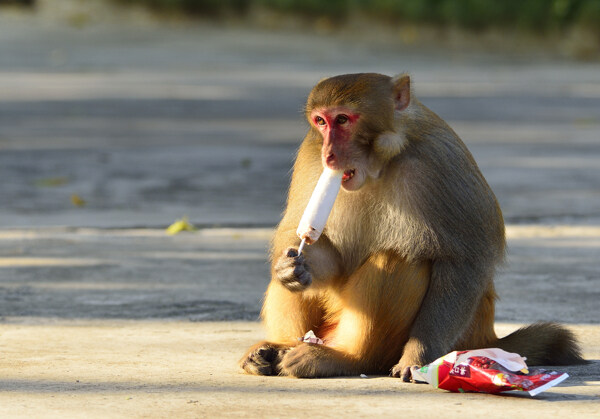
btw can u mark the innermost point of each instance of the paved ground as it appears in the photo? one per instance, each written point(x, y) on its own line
point(102, 314)
point(182, 369)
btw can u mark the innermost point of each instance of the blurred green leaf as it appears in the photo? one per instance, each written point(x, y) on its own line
point(77, 200)
point(180, 225)
point(533, 15)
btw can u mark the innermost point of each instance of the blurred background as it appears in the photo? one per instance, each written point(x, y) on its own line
point(120, 114)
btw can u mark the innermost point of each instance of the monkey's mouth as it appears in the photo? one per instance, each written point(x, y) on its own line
point(348, 174)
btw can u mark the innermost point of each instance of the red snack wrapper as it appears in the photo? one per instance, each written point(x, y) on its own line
point(489, 370)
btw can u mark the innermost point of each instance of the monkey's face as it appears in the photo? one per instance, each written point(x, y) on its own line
point(355, 116)
point(342, 148)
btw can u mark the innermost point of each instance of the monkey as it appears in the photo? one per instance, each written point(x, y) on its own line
point(403, 272)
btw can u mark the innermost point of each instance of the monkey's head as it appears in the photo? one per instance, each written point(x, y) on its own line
point(356, 117)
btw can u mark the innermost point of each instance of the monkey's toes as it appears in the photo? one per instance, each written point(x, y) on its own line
point(396, 371)
point(256, 366)
point(262, 361)
point(404, 372)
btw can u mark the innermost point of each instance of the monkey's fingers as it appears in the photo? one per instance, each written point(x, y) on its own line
point(292, 272)
point(297, 279)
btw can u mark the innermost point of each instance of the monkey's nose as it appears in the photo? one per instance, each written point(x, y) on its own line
point(330, 159)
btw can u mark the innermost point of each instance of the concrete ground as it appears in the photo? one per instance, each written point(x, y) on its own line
point(104, 315)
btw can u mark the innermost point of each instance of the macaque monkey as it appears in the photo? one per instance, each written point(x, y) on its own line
point(403, 272)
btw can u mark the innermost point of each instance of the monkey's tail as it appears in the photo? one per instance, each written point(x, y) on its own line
point(544, 344)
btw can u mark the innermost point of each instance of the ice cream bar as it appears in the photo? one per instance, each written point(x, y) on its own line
point(319, 206)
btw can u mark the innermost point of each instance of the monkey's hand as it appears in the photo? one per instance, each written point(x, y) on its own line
point(292, 271)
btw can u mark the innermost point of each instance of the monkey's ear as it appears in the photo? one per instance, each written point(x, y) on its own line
point(401, 91)
point(389, 144)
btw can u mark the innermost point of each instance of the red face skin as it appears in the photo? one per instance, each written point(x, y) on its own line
point(337, 126)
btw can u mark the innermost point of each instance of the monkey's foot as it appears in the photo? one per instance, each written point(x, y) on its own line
point(300, 362)
point(416, 354)
point(264, 359)
point(404, 372)
point(309, 360)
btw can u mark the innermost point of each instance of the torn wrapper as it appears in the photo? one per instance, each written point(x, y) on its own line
point(310, 337)
point(489, 370)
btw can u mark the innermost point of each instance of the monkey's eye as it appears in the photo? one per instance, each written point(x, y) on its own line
point(341, 119)
point(319, 121)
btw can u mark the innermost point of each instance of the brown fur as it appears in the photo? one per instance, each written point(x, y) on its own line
point(403, 272)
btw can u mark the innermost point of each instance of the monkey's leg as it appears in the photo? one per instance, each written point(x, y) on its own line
point(447, 312)
point(481, 334)
point(286, 316)
point(373, 316)
point(289, 315)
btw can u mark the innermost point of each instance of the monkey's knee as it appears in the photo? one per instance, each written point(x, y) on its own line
point(263, 359)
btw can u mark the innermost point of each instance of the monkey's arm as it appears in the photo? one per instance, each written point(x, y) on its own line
point(320, 261)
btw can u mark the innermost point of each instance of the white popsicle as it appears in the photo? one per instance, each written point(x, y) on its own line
point(319, 206)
